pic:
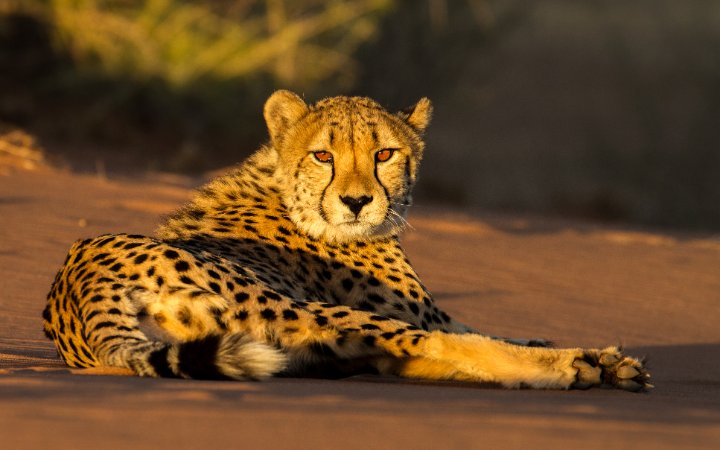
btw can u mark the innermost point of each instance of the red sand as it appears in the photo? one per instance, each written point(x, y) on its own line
point(577, 284)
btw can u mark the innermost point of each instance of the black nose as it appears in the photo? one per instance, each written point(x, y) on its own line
point(355, 204)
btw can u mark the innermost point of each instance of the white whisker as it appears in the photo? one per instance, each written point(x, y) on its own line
point(397, 219)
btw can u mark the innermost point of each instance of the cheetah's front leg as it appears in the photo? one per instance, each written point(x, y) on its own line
point(310, 330)
point(479, 358)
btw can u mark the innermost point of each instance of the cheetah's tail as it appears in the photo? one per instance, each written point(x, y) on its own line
point(229, 356)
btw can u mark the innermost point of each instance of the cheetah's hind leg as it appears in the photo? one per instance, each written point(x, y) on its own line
point(186, 341)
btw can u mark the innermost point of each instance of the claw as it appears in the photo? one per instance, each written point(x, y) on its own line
point(629, 385)
point(627, 372)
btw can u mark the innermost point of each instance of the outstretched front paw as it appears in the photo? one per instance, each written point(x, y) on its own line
point(611, 368)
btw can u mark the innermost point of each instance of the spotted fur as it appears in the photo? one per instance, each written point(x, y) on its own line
point(291, 265)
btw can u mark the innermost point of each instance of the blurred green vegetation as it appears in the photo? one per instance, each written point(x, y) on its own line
point(182, 42)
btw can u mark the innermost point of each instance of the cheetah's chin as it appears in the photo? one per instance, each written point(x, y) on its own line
point(360, 230)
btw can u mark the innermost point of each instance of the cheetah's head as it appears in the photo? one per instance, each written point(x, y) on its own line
point(347, 166)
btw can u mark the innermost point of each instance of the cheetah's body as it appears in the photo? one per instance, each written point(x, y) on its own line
point(292, 265)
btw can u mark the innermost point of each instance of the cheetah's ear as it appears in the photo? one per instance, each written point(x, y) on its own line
point(418, 116)
point(282, 110)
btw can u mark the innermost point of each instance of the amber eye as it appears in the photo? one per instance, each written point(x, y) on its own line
point(323, 156)
point(384, 154)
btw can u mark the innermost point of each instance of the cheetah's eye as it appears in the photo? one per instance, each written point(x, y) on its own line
point(323, 156)
point(384, 154)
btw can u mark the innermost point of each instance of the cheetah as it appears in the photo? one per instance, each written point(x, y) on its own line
point(291, 265)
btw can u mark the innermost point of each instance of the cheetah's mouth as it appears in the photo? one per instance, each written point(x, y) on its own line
point(367, 227)
point(361, 224)
point(353, 223)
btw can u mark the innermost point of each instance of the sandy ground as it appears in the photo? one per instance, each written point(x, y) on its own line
point(574, 283)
